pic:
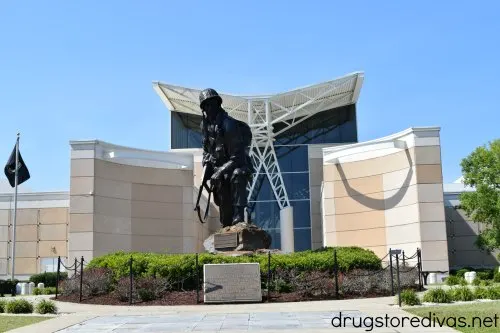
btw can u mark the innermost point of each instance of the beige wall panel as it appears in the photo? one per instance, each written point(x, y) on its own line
point(157, 227)
point(26, 249)
point(81, 241)
point(4, 267)
point(435, 250)
point(405, 233)
point(157, 193)
point(430, 193)
point(112, 224)
point(25, 266)
point(402, 215)
point(328, 207)
point(357, 204)
point(380, 251)
point(81, 222)
point(81, 185)
point(189, 229)
point(4, 233)
point(428, 155)
point(188, 194)
point(431, 211)
point(4, 217)
point(53, 232)
point(157, 244)
point(112, 242)
point(190, 245)
point(87, 256)
point(429, 174)
point(328, 190)
point(4, 250)
point(54, 215)
point(433, 231)
point(396, 179)
point(365, 185)
point(159, 210)
point(331, 239)
point(401, 197)
point(359, 221)
point(317, 235)
point(81, 204)
point(330, 223)
point(45, 248)
point(329, 172)
point(26, 233)
point(362, 238)
point(26, 216)
point(113, 188)
point(82, 167)
point(112, 207)
point(435, 265)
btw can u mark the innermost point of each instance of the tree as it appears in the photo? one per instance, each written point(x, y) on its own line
point(481, 170)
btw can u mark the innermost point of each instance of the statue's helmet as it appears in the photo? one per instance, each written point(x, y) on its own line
point(209, 94)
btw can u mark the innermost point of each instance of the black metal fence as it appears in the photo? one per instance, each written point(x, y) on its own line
point(184, 282)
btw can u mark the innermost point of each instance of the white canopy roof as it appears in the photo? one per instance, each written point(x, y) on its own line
point(299, 102)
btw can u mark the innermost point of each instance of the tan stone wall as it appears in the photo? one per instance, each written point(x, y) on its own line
point(392, 200)
point(41, 234)
point(133, 204)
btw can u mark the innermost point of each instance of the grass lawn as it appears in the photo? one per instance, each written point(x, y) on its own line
point(11, 322)
point(486, 311)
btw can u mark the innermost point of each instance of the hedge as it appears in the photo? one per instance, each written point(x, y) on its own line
point(48, 278)
point(179, 266)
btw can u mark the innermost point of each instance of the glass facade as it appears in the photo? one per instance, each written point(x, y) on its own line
point(331, 126)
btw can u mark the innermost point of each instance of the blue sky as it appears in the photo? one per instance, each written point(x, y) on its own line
point(73, 70)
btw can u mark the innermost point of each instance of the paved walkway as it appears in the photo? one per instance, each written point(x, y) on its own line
point(262, 318)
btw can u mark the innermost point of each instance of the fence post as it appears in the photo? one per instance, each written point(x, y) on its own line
point(403, 258)
point(336, 272)
point(131, 281)
point(197, 281)
point(399, 285)
point(58, 274)
point(419, 266)
point(76, 265)
point(268, 275)
point(81, 278)
point(391, 272)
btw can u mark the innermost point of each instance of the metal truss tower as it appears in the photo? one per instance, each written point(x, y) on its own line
point(263, 113)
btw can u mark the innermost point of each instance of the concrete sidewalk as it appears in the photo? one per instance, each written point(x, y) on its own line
point(262, 317)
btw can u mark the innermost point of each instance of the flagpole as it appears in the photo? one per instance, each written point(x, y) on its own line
point(15, 209)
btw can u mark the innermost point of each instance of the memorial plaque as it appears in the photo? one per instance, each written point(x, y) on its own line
point(226, 241)
point(230, 283)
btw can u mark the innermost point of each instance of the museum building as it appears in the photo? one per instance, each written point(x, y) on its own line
point(315, 185)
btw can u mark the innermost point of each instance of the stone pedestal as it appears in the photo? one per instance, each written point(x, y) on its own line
point(230, 283)
point(239, 237)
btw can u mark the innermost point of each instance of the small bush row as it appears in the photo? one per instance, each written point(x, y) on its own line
point(44, 291)
point(24, 306)
point(179, 266)
point(457, 294)
point(481, 273)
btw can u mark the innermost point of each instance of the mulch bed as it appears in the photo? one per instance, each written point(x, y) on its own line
point(189, 298)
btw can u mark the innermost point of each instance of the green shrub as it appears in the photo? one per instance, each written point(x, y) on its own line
point(493, 292)
point(437, 295)
point(409, 297)
point(37, 291)
point(177, 267)
point(476, 281)
point(463, 282)
point(464, 294)
point(2, 305)
point(480, 293)
point(485, 283)
point(496, 275)
point(46, 306)
point(48, 278)
point(49, 290)
point(461, 272)
point(486, 274)
point(454, 280)
point(19, 306)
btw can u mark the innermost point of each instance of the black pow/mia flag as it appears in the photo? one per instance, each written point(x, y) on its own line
point(23, 173)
